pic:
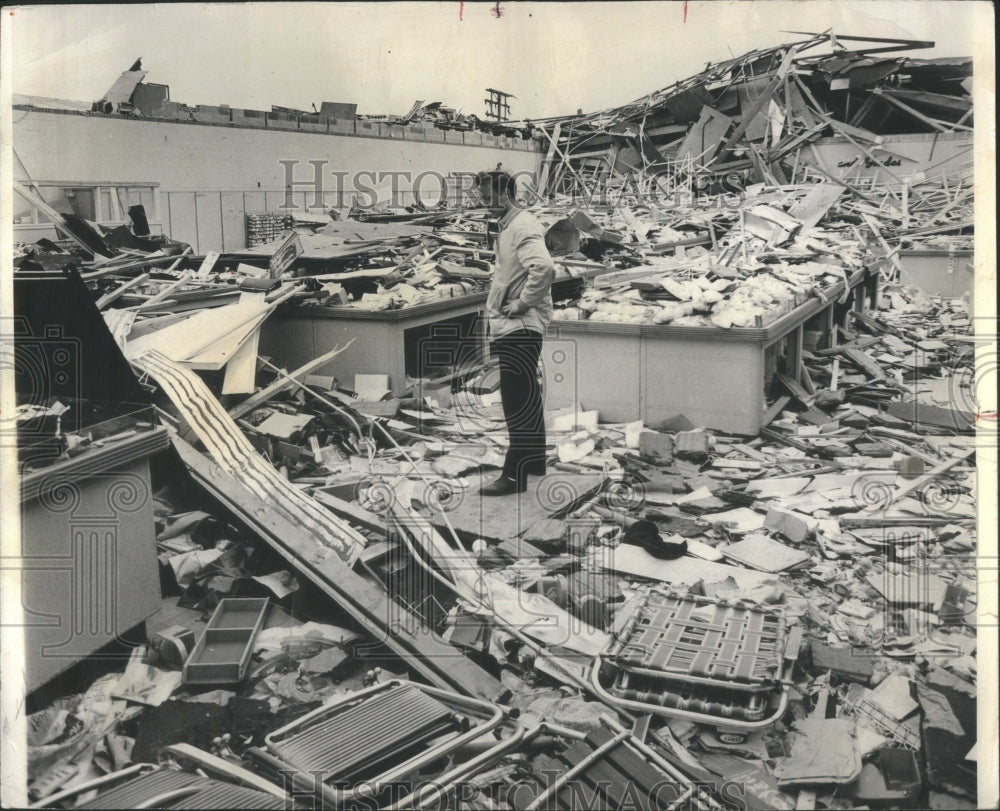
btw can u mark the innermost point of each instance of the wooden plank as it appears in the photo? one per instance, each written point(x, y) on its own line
point(906, 108)
point(131, 263)
point(385, 621)
point(861, 343)
point(166, 291)
point(352, 512)
point(917, 483)
point(795, 388)
point(223, 439)
point(549, 158)
point(806, 380)
point(891, 254)
point(750, 114)
point(870, 367)
point(565, 160)
point(115, 294)
point(775, 409)
point(283, 383)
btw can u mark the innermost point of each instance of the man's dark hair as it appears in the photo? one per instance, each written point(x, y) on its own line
point(498, 181)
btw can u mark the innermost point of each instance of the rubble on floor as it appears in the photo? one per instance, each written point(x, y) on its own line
point(783, 620)
point(848, 524)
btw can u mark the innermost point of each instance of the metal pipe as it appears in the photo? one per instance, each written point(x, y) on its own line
point(427, 795)
point(566, 776)
point(697, 717)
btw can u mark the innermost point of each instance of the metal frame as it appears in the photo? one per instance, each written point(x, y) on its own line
point(722, 724)
point(215, 768)
point(616, 654)
point(493, 714)
point(622, 737)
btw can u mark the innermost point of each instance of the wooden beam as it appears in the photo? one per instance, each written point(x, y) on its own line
point(747, 116)
point(166, 291)
point(776, 408)
point(891, 254)
point(549, 158)
point(906, 108)
point(352, 512)
point(565, 160)
point(282, 383)
point(909, 43)
point(107, 298)
point(933, 473)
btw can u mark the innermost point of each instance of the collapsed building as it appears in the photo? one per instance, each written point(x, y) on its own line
point(748, 578)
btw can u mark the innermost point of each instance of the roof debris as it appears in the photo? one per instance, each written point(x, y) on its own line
point(673, 607)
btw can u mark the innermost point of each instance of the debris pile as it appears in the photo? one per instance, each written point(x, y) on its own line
point(759, 116)
point(759, 262)
point(833, 553)
point(131, 96)
point(674, 616)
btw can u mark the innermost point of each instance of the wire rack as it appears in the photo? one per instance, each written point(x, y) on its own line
point(692, 640)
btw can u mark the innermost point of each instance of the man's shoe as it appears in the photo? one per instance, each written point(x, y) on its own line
point(502, 487)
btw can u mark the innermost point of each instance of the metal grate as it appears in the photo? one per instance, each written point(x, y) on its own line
point(363, 739)
point(168, 785)
point(696, 640)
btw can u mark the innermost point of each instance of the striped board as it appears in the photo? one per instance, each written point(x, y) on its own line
point(232, 451)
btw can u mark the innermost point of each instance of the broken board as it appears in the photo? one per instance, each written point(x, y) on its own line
point(385, 621)
point(685, 571)
point(765, 554)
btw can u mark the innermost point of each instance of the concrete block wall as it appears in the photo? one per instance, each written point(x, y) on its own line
point(212, 115)
point(282, 121)
point(209, 176)
point(250, 117)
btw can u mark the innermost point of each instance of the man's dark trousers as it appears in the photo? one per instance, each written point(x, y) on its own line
point(521, 394)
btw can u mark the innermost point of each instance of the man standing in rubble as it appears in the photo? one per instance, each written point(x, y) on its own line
point(518, 308)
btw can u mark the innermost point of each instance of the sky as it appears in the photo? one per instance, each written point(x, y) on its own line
point(554, 57)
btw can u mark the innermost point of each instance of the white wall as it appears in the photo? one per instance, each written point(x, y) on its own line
point(209, 176)
point(902, 156)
